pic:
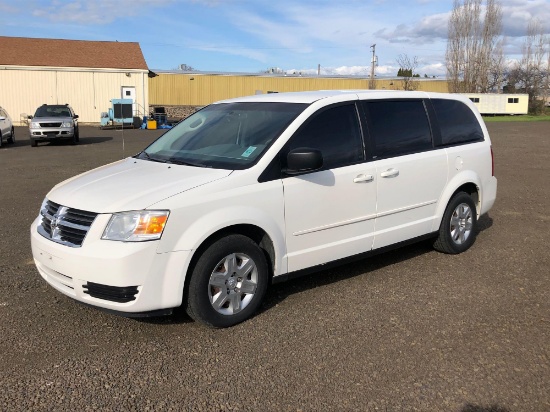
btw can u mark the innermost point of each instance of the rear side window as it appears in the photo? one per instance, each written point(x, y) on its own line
point(336, 133)
point(398, 127)
point(457, 122)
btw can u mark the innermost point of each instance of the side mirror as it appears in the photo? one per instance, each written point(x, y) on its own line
point(303, 160)
point(29, 116)
point(76, 116)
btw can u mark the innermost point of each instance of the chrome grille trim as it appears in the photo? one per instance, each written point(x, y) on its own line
point(65, 225)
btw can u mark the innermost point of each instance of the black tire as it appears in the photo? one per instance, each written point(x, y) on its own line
point(77, 135)
point(136, 122)
point(34, 143)
point(212, 281)
point(457, 231)
point(11, 139)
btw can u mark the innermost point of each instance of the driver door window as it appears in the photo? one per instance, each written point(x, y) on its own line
point(336, 133)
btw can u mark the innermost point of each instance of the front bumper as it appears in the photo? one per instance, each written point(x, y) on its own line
point(52, 133)
point(115, 276)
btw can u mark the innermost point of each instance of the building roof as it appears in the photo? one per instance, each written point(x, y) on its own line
point(24, 51)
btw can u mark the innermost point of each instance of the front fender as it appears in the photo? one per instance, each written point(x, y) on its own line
point(197, 215)
point(213, 222)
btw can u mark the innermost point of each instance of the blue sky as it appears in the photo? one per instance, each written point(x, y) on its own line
point(254, 35)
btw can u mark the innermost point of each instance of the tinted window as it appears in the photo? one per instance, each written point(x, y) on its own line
point(398, 127)
point(336, 133)
point(457, 122)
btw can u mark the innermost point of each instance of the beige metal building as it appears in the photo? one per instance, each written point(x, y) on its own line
point(199, 89)
point(84, 74)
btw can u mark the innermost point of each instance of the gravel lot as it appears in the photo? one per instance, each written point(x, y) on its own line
point(410, 330)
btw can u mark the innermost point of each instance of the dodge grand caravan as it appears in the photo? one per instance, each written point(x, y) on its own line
point(254, 190)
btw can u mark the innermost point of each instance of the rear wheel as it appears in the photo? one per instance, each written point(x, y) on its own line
point(11, 139)
point(228, 282)
point(458, 226)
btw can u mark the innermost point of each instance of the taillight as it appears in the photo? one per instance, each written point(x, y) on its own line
point(492, 162)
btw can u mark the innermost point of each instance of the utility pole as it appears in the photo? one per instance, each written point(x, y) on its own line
point(372, 85)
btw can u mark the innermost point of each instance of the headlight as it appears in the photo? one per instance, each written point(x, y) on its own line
point(137, 226)
point(35, 125)
point(67, 124)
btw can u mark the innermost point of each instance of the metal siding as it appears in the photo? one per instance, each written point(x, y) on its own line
point(89, 93)
point(173, 89)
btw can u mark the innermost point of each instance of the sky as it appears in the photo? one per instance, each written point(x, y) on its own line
point(252, 36)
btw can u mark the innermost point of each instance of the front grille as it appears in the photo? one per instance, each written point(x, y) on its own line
point(119, 294)
point(56, 124)
point(65, 225)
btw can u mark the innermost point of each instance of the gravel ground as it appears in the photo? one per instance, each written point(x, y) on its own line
point(409, 330)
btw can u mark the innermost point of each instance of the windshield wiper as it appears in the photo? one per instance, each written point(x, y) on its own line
point(176, 161)
point(148, 157)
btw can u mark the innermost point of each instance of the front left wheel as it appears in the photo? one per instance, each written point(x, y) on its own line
point(228, 282)
point(11, 139)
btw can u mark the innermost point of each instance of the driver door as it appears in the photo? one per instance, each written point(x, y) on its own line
point(330, 213)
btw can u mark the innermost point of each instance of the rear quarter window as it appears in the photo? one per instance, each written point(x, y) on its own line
point(457, 122)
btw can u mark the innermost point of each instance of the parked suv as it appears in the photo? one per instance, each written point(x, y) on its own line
point(258, 189)
point(7, 132)
point(53, 122)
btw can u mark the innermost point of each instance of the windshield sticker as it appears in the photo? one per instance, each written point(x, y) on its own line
point(248, 151)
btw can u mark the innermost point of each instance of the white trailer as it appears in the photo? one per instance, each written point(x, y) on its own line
point(492, 103)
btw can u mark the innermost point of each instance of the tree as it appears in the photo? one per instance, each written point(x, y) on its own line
point(471, 45)
point(497, 69)
point(530, 74)
point(407, 66)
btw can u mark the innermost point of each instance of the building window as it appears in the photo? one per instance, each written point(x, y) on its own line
point(513, 100)
point(474, 99)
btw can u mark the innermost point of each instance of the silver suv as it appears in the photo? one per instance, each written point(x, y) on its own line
point(7, 132)
point(53, 122)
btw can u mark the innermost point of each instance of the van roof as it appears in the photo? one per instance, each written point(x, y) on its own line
point(312, 96)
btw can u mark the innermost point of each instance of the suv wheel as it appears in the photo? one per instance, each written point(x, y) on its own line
point(458, 227)
point(34, 143)
point(11, 139)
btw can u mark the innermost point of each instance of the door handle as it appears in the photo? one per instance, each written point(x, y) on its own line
point(390, 173)
point(363, 178)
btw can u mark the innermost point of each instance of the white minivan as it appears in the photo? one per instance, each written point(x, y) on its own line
point(250, 191)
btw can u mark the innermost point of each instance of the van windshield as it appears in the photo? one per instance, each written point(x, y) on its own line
point(225, 136)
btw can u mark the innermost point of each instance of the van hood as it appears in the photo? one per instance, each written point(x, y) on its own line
point(130, 184)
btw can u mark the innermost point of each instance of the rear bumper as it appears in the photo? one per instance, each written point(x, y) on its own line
point(489, 195)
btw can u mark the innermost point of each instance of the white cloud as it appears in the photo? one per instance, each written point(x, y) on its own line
point(91, 12)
